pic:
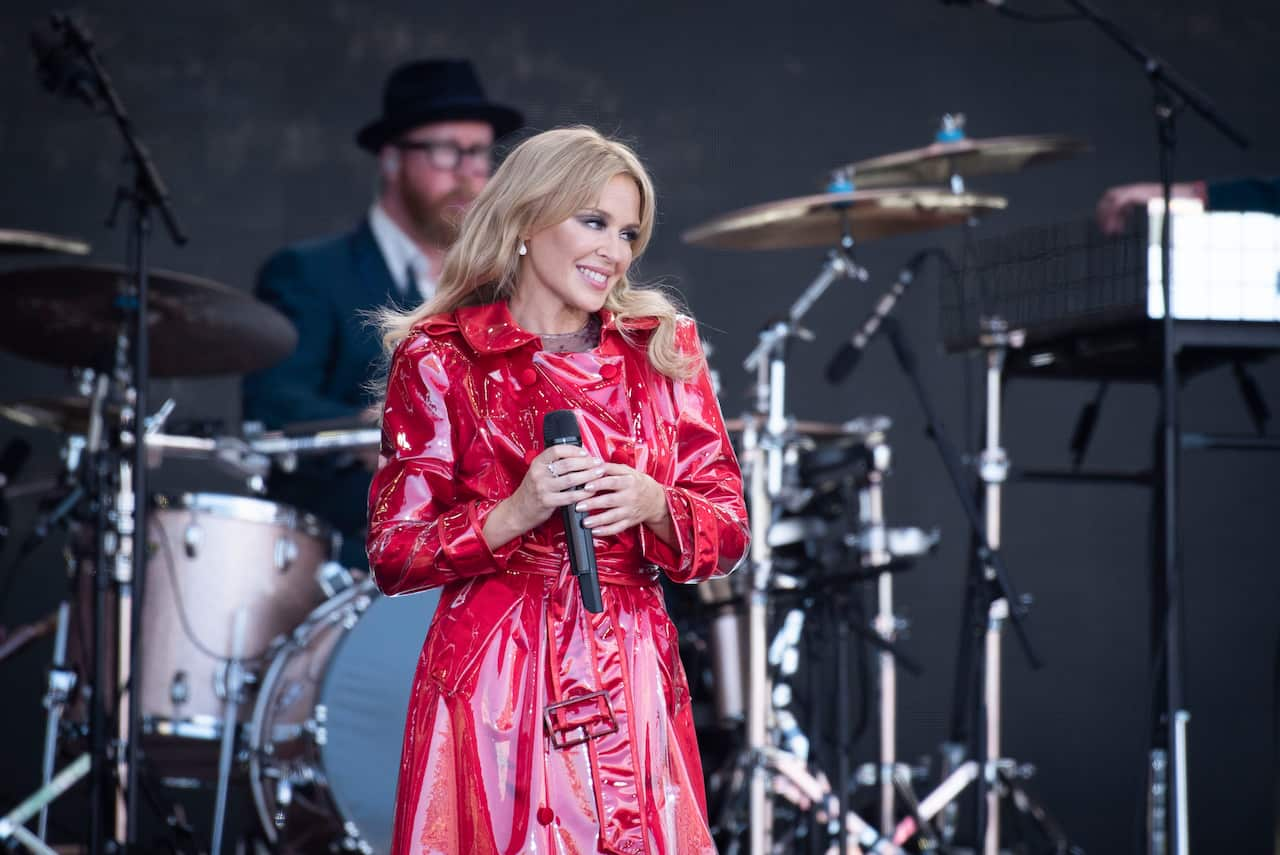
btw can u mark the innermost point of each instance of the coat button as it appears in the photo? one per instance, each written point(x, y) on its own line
point(528, 377)
point(608, 371)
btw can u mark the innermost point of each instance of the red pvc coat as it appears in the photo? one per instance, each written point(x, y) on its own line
point(534, 726)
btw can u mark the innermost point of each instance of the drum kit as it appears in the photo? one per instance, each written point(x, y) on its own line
point(264, 655)
point(259, 651)
point(815, 495)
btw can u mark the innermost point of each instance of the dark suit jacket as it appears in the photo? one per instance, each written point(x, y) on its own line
point(326, 288)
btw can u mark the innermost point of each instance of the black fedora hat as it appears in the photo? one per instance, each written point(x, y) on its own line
point(434, 90)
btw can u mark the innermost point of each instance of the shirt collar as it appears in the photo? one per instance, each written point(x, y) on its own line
point(398, 249)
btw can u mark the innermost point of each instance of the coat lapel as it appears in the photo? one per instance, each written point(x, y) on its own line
point(371, 267)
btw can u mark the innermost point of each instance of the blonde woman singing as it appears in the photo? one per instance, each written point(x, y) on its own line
point(535, 725)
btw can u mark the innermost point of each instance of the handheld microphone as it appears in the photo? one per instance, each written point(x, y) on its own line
point(847, 357)
point(560, 427)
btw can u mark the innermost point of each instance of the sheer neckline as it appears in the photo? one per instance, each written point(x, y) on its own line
point(578, 341)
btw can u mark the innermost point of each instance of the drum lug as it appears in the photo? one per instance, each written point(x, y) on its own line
point(333, 578)
point(192, 537)
point(179, 688)
point(353, 841)
point(284, 798)
point(286, 554)
point(318, 725)
point(246, 678)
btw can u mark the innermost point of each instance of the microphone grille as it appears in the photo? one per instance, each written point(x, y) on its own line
point(559, 427)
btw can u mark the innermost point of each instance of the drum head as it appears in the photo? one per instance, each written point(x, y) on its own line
point(366, 696)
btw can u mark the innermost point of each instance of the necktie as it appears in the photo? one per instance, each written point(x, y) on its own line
point(410, 282)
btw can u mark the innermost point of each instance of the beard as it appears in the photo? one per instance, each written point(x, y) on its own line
point(436, 221)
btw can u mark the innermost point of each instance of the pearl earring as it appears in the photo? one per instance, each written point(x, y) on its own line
point(524, 250)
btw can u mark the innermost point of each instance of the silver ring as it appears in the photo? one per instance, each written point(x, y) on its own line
point(551, 467)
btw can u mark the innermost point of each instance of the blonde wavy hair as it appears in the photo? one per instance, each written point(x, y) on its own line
point(543, 182)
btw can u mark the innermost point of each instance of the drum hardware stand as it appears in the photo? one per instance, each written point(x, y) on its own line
point(13, 824)
point(875, 553)
point(763, 452)
point(235, 681)
point(1004, 605)
point(73, 70)
point(878, 556)
point(61, 685)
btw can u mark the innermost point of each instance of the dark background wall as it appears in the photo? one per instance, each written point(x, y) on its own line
point(249, 109)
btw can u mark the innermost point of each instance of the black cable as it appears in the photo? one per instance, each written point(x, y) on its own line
point(171, 568)
point(861, 669)
point(1037, 18)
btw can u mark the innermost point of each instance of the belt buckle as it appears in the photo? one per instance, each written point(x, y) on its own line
point(604, 718)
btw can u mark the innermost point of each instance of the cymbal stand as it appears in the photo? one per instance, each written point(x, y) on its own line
point(875, 553)
point(763, 452)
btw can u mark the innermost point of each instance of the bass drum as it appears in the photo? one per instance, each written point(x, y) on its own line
point(327, 728)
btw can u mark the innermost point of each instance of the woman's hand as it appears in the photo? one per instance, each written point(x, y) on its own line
point(623, 498)
point(559, 476)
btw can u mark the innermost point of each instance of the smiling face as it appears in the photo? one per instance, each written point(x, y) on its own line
point(571, 266)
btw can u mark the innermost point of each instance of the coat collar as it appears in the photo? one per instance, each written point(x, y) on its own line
point(491, 329)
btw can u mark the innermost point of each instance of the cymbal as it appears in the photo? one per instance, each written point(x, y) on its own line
point(67, 315)
point(819, 220)
point(67, 414)
point(807, 428)
point(936, 163)
point(15, 242)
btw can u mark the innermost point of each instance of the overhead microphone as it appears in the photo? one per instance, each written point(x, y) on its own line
point(560, 427)
point(850, 353)
point(61, 69)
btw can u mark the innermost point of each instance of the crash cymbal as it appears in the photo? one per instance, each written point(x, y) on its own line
point(820, 220)
point(936, 163)
point(16, 242)
point(68, 316)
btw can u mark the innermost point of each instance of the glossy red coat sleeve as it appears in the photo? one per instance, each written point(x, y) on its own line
point(425, 528)
point(705, 496)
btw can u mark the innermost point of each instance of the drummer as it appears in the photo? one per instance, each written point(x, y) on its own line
point(434, 146)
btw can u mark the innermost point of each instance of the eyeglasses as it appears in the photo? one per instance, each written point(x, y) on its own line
point(448, 155)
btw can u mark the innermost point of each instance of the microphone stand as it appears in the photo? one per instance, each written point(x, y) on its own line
point(146, 194)
point(1171, 95)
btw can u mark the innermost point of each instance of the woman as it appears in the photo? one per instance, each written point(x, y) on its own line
point(535, 726)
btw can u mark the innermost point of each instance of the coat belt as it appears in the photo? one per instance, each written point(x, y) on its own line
point(589, 705)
